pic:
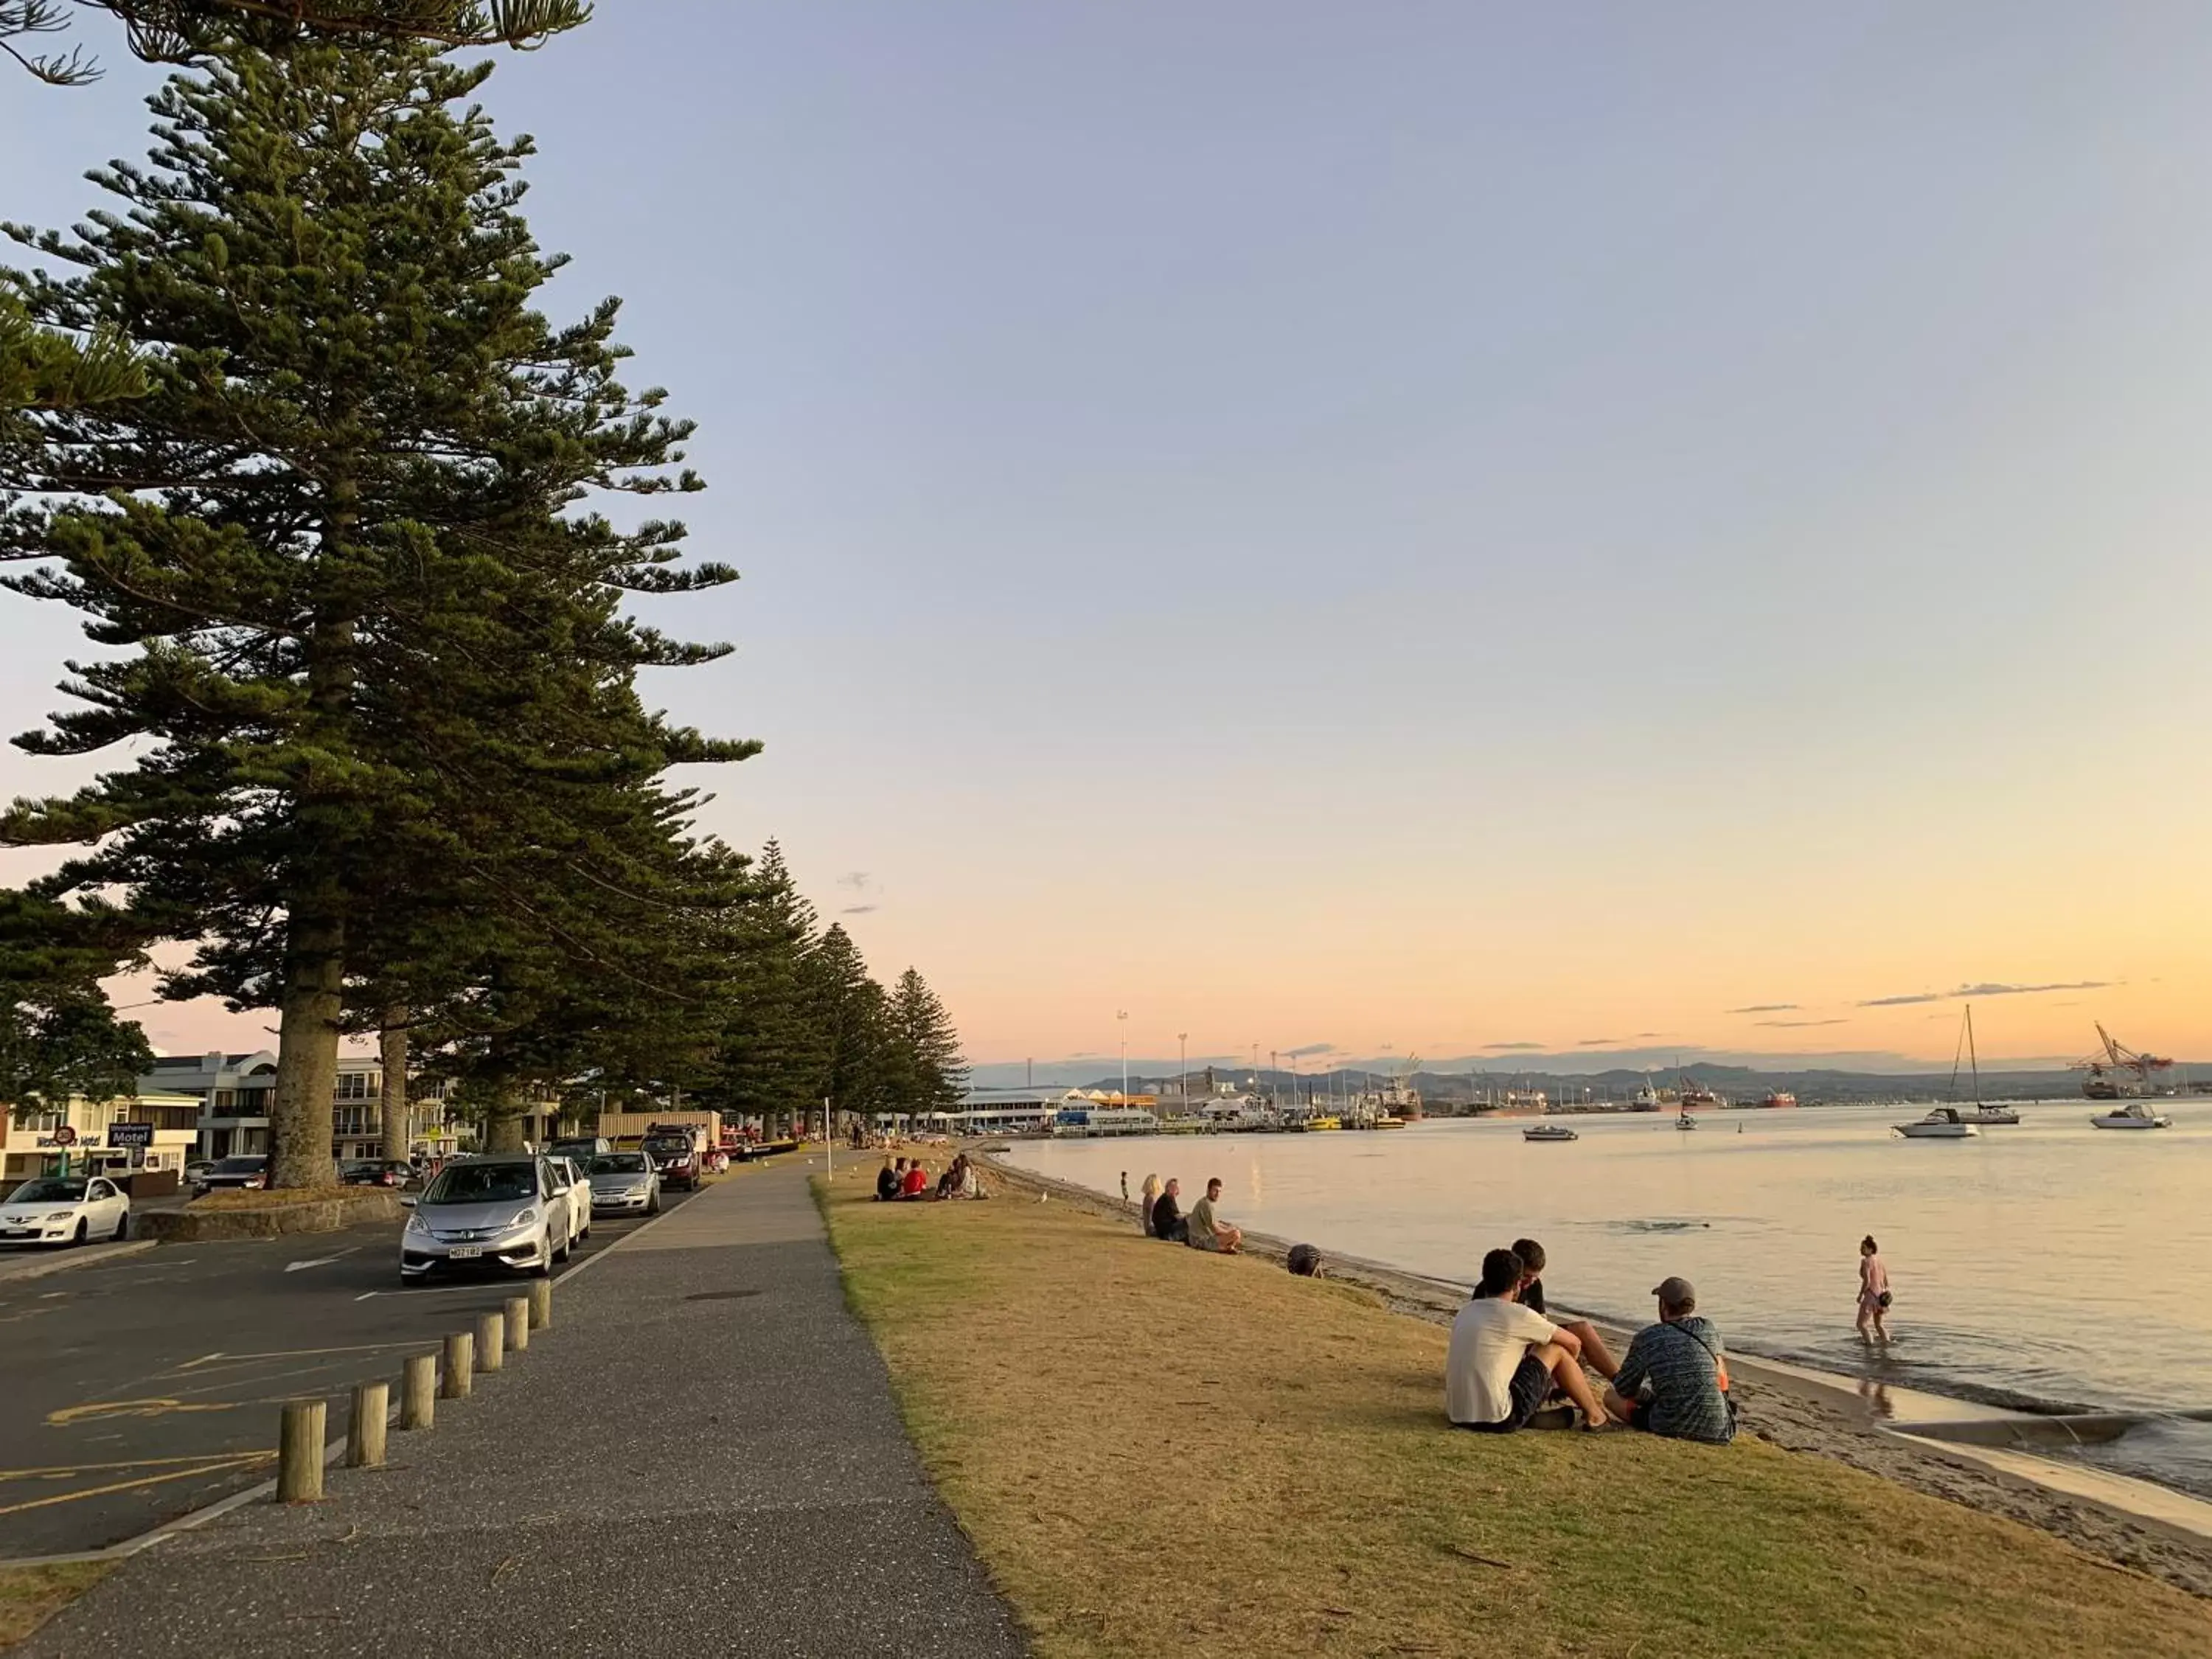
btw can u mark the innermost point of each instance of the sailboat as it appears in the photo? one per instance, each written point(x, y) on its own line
point(1981, 1114)
point(1684, 1120)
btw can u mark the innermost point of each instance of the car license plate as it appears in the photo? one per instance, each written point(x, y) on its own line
point(465, 1252)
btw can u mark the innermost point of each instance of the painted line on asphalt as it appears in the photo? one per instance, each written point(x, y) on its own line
point(61, 1263)
point(245, 1460)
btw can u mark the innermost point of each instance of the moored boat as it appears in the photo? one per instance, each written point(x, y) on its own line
point(2136, 1115)
point(1549, 1132)
point(1944, 1123)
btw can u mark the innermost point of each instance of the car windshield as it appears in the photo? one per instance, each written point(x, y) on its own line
point(240, 1165)
point(483, 1183)
point(48, 1191)
point(619, 1163)
point(669, 1148)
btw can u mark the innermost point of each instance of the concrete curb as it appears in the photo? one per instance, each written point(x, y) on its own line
point(64, 1258)
point(322, 1215)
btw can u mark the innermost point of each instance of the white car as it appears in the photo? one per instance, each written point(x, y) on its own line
point(571, 1183)
point(65, 1210)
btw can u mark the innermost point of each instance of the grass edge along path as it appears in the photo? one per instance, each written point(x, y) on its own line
point(31, 1595)
point(1157, 1450)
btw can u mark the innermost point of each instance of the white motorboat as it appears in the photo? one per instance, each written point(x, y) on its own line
point(1944, 1123)
point(1684, 1120)
point(2136, 1115)
point(1549, 1132)
point(1992, 1114)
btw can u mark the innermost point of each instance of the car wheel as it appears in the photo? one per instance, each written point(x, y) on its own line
point(83, 1230)
point(123, 1227)
point(545, 1267)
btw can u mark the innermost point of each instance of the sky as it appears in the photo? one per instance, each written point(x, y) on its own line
point(1413, 528)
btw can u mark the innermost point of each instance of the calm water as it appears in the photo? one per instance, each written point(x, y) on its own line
point(2048, 1262)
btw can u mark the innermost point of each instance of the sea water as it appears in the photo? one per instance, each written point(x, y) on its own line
point(2046, 1265)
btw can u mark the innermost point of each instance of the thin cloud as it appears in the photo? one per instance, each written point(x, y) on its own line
point(859, 880)
point(1642, 1035)
point(1596, 1043)
point(1489, 1046)
point(1792, 1023)
point(1988, 988)
point(1310, 1048)
point(1765, 1008)
point(859, 910)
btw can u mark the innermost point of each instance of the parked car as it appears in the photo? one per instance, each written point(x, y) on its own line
point(625, 1183)
point(580, 1149)
point(376, 1172)
point(676, 1159)
point(65, 1210)
point(196, 1168)
point(229, 1174)
point(576, 1191)
point(500, 1211)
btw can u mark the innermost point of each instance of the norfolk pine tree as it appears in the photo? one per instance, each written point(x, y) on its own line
point(929, 1063)
point(345, 498)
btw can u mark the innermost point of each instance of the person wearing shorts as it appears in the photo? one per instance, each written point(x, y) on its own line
point(1504, 1358)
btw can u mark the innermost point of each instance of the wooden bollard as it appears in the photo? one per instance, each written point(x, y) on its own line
point(541, 1304)
point(418, 1391)
point(491, 1341)
point(518, 1323)
point(300, 1452)
point(460, 1361)
point(372, 1405)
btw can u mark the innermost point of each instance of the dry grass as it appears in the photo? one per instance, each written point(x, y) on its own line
point(31, 1595)
point(1157, 1451)
point(281, 1197)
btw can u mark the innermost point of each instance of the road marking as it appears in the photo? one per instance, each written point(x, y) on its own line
point(285, 1353)
point(320, 1261)
point(69, 1416)
point(127, 1463)
point(250, 1460)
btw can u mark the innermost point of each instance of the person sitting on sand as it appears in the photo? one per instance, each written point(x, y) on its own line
point(1167, 1215)
point(1204, 1232)
point(888, 1180)
point(1504, 1358)
point(916, 1184)
point(1147, 1196)
point(1673, 1380)
point(1595, 1353)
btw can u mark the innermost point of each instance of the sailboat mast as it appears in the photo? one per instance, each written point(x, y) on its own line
point(1972, 1058)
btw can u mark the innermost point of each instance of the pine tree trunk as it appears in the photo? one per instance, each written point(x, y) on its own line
point(306, 1053)
point(392, 1047)
point(502, 1130)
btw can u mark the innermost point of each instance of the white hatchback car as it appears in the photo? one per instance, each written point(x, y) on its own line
point(571, 1184)
point(65, 1210)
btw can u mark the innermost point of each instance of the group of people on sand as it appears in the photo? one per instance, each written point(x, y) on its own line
point(1159, 1210)
point(907, 1179)
point(1509, 1359)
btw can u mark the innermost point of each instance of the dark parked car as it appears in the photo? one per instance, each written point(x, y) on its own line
point(231, 1173)
point(673, 1155)
point(376, 1172)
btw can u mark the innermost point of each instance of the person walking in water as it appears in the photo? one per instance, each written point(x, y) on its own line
point(1874, 1291)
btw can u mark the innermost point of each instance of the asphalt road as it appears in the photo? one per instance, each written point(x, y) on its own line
point(140, 1389)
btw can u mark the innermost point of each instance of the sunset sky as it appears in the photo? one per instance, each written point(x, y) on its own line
point(1432, 526)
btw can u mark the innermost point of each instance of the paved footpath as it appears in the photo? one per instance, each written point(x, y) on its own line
point(702, 1455)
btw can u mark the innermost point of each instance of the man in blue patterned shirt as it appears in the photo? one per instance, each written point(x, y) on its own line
point(1674, 1379)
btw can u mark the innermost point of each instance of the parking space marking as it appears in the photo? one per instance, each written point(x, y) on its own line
point(70, 1416)
point(218, 1466)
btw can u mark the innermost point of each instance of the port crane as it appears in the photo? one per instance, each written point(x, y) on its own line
point(2119, 1071)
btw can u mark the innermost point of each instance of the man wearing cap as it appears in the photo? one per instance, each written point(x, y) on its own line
point(1674, 1379)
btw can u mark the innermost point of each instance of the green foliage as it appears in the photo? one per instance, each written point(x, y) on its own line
point(59, 1034)
point(772, 1055)
point(848, 1010)
point(925, 1063)
point(367, 647)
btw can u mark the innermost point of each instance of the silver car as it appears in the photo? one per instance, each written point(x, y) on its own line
point(502, 1212)
point(625, 1183)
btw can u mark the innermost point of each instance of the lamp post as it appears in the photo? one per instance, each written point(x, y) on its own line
point(1182, 1058)
point(1121, 1015)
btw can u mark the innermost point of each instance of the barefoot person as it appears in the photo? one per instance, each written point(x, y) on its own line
point(1873, 1289)
point(1594, 1353)
point(1673, 1381)
point(1504, 1358)
point(1206, 1232)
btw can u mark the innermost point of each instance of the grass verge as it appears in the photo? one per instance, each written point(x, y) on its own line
point(31, 1595)
point(1158, 1451)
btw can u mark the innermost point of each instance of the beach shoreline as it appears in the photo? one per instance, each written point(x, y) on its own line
point(1801, 1413)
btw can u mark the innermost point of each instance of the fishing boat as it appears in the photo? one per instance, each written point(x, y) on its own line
point(1944, 1123)
point(2136, 1115)
point(1549, 1132)
point(1980, 1114)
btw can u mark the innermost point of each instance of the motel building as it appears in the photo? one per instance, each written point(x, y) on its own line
point(143, 1144)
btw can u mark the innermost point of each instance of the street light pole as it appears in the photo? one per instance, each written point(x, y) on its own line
point(1183, 1079)
point(1122, 1016)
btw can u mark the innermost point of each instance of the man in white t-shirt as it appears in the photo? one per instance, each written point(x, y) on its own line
point(1504, 1358)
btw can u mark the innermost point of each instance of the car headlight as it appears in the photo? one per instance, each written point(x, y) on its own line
point(524, 1219)
point(416, 1224)
point(58, 1215)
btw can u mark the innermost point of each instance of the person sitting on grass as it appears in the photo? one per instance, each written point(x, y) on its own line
point(1673, 1380)
point(948, 1182)
point(1207, 1234)
point(1167, 1215)
point(1147, 1196)
point(916, 1184)
point(1594, 1353)
point(888, 1180)
point(1504, 1359)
